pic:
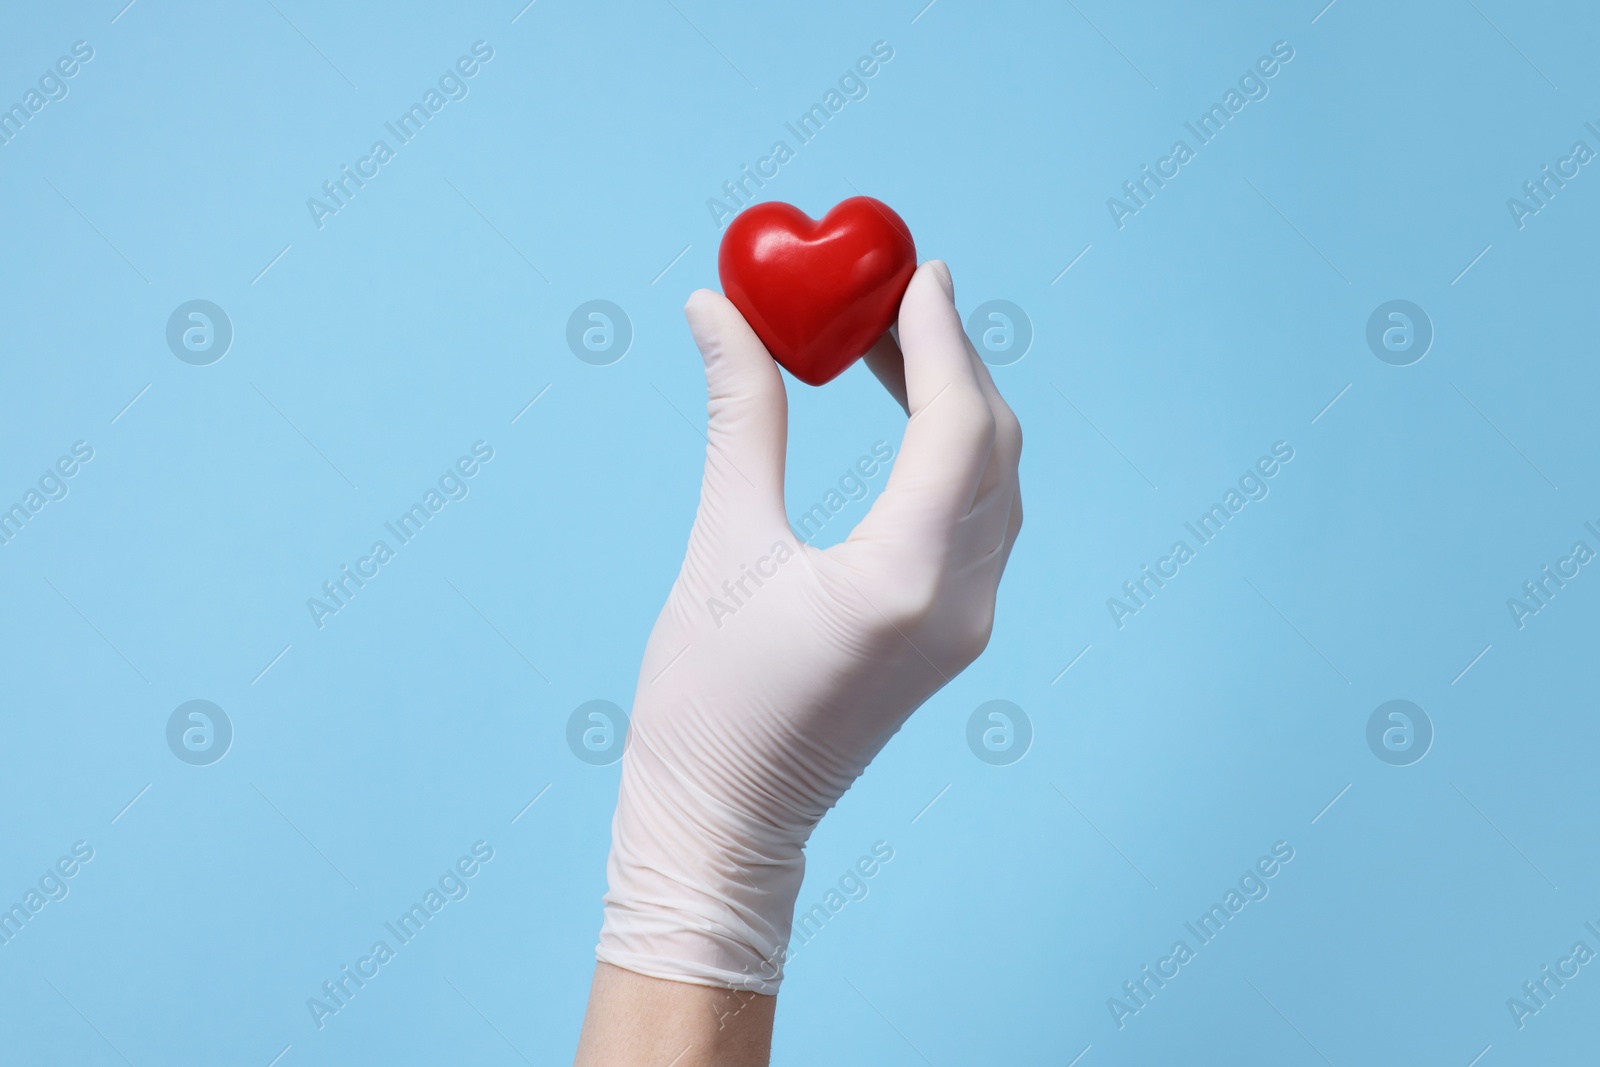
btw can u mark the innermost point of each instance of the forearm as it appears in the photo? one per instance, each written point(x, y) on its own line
point(637, 1021)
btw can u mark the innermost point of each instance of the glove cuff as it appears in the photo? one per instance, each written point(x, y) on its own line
point(698, 892)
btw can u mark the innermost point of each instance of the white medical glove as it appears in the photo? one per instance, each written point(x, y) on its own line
point(749, 725)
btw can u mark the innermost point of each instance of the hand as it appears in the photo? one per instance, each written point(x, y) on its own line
point(776, 671)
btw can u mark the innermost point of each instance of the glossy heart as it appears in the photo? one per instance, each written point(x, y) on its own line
point(818, 294)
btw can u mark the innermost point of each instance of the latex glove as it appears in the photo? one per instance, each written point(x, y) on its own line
point(747, 727)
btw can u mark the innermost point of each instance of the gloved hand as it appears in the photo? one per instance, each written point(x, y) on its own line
point(748, 726)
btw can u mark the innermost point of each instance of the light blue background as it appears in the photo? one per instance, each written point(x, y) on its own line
point(427, 314)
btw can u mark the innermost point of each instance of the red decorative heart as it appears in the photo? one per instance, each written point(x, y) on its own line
point(818, 294)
